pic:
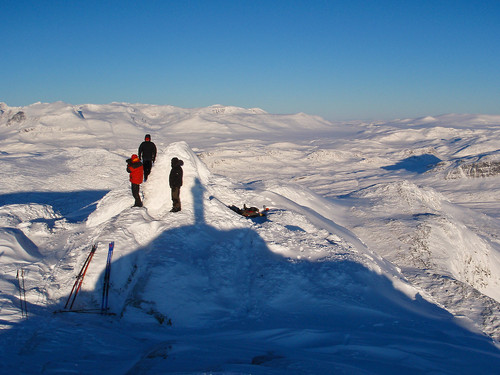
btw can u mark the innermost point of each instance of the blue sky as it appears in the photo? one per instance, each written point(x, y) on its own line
point(342, 60)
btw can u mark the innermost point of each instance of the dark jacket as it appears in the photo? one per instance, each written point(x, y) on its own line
point(147, 151)
point(175, 178)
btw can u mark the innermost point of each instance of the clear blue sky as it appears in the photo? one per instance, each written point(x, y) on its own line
point(378, 59)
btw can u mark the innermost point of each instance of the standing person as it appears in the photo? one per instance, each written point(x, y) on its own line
point(175, 180)
point(135, 169)
point(147, 153)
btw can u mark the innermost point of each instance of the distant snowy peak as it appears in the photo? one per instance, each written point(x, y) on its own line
point(219, 109)
point(452, 120)
point(151, 110)
point(104, 121)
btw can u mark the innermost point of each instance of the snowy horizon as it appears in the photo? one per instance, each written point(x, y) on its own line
point(221, 108)
point(341, 60)
point(379, 253)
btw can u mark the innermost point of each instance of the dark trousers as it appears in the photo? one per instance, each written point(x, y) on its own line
point(147, 165)
point(135, 194)
point(176, 198)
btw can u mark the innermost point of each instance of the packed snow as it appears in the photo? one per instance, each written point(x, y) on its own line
point(379, 252)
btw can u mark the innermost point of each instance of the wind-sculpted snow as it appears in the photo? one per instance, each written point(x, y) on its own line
point(15, 247)
point(402, 197)
point(369, 260)
point(428, 237)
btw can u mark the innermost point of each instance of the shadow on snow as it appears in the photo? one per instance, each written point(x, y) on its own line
point(233, 302)
point(74, 206)
point(417, 164)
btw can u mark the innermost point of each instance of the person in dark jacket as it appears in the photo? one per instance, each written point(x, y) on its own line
point(136, 170)
point(175, 180)
point(147, 154)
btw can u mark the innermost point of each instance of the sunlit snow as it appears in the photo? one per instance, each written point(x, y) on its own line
point(379, 254)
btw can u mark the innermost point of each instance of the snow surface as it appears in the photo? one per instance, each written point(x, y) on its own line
point(380, 253)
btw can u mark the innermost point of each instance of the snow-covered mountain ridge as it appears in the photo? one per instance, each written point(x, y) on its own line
point(371, 259)
point(48, 120)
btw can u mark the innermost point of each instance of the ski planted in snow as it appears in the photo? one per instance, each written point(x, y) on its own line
point(107, 273)
point(22, 293)
point(79, 279)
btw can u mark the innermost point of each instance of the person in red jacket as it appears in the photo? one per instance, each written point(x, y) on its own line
point(136, 171)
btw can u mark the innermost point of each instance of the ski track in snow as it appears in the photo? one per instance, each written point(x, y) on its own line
point(378, 253)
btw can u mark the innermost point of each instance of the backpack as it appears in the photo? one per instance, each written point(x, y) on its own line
point(250, 211)
point(247, 211)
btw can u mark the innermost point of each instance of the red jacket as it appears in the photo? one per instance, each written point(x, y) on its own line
point(136, 172)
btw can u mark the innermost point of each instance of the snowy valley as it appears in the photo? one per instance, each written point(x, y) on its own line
point(379, 254)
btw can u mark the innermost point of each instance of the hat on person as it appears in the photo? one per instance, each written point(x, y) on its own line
point(134, 157)
point(147, 137)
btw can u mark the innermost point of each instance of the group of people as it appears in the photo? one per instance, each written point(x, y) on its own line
point(139, 167)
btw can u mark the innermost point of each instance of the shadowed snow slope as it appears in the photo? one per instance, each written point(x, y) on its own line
point(356, 269)
point(208, 247)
